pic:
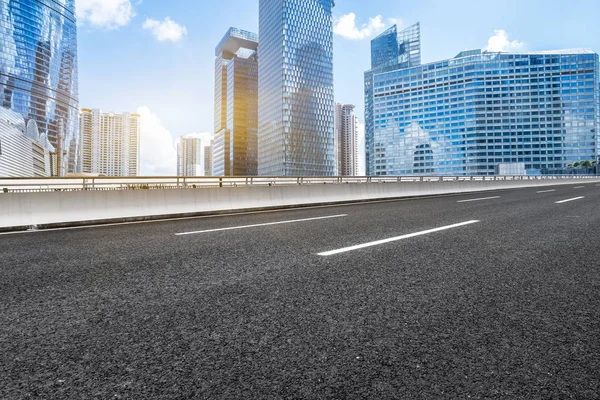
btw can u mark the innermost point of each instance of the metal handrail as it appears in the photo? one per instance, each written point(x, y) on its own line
point(13, 185)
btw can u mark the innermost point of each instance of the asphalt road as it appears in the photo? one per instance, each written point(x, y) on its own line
point(419, 299)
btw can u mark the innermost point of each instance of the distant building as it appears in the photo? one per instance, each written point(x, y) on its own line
point(480, 111)
point(24, 153)
point(190, 157)
point(235, 149)
point(346, 140)
point(296, 110)
point(208, 159)
point(110, 143)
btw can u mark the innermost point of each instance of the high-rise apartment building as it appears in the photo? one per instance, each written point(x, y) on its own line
point(346, 140)
point(190, 157)
point(38, 71)
point(208, 159)
point(110, 143)
point(236, 104)
point(470, 114)
point(296, 104)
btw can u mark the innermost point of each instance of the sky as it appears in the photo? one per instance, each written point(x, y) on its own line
point(156, 57)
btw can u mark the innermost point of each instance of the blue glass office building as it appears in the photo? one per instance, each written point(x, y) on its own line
point(38, 69)
point(466, 115)
point(295, 91)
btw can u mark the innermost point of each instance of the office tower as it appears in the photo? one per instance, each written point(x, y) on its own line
point(296, 105)
point(190, 156)
point(208, 159)
point(38, 72)
point(110, 143)
point(391, 50)
point(470, 114)
point(236, 104)
point(23, 151)
point(346, 140)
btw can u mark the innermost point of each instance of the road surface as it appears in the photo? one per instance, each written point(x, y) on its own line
point(493, 295)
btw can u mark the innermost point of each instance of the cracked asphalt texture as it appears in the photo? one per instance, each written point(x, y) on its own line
point(507, 308)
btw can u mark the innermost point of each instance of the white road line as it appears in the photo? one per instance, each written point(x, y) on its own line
point(547, 191)
point(566, 201)
point(579, 187)
point(258, 225)
point(484, 198)
point(394, 239)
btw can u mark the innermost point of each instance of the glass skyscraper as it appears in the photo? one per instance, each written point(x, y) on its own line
point(390, 50)
point(38, 70)
point(236, 105)
point(296, 103)
point(469, 114)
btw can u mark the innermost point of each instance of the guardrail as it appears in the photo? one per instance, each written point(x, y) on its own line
point(24, 185)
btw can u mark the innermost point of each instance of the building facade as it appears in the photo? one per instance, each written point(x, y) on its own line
point(190, 157)
point(296, 108)
point(236, 105)
point(208, 159)
point(391, 50)
point(110, 143)
point(346, 140)
point(38, 71)
point(24, 152)
point(469, 114)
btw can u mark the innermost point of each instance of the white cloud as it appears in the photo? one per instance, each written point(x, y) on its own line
point(157, 147)
point(500, 42)
point(347, 28)
point(165, 30)
point(108, 14)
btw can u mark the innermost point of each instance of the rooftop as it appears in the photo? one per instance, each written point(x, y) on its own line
point(236, 39)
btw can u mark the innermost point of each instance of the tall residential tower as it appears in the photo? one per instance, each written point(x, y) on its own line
point(190, 156)
point(110, 143)
point(346, 140)
point(236, 104)
point(296, 104)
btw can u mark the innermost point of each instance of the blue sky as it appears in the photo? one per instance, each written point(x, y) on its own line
point(157, 56)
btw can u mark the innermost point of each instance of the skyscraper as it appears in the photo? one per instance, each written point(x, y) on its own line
point(390, 50)
point(208, 159)
point(190, 157)
point(38, 71)
point(236, 104)
point(110, 143)
point(482, 110)
point(296, 104)
point(346, 140)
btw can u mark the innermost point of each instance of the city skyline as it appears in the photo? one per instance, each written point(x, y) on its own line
point(179, 55)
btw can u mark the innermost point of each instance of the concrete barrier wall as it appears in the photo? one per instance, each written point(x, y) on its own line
point(51, 209)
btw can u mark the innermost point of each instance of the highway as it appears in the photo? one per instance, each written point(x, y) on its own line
point(487, 295)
